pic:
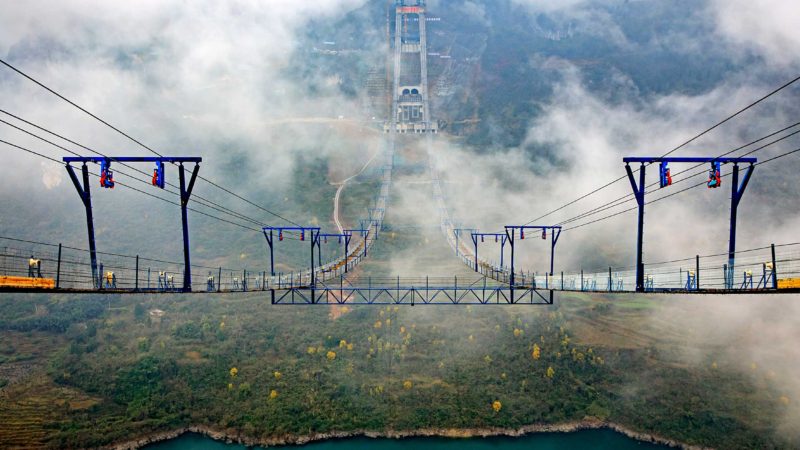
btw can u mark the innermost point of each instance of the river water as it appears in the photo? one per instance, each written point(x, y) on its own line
point(585, 439)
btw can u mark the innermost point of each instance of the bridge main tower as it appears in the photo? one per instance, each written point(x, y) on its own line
point(410, 111)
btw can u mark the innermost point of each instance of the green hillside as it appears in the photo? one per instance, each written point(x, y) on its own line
point(113, 370)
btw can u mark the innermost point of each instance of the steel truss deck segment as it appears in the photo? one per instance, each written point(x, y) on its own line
point(441, 295)
point(403, 292)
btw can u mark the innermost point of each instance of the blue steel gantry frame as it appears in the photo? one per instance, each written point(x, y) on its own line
point(314, 239)
point(364, 233)
point(380, 212)
point(342, 237)
point(85, 193)
point(457, 233)
point(555, 233)
point(370, 223)
point(502, 238)
point(345, 237)
point(737, 191)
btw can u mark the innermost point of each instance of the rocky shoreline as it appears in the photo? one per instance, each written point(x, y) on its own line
point(234, 436)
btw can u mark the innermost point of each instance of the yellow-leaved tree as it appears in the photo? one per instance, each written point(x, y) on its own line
point(234, 371)
point(550, 372)
point(537, 352)
point(278, 375)
point(407, 384)
point(273, 394)
point(331, 355)
point(497, 406)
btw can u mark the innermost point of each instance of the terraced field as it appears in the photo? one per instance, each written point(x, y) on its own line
point(30, 409)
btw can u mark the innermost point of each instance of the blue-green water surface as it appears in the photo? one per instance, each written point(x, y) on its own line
point(585, 439)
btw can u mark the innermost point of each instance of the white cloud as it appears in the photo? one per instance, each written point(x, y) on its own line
point(549, 5)
point(768, 27)
point(475, 11)
point(171, 71)
point(753, 337)
point(51, 175)
point(203, 77)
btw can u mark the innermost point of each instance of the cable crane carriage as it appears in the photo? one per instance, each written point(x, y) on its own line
point(714, 175)
point(158, 175)
point(666, 174)
point(106, 175)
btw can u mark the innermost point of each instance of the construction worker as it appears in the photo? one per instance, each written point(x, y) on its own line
point(34, 268)
point(111, 280)
point(210, 283)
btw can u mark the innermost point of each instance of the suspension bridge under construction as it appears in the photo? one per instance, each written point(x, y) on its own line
point(39, 267)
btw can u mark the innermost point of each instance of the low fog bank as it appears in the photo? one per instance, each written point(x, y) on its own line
point(752, 335)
